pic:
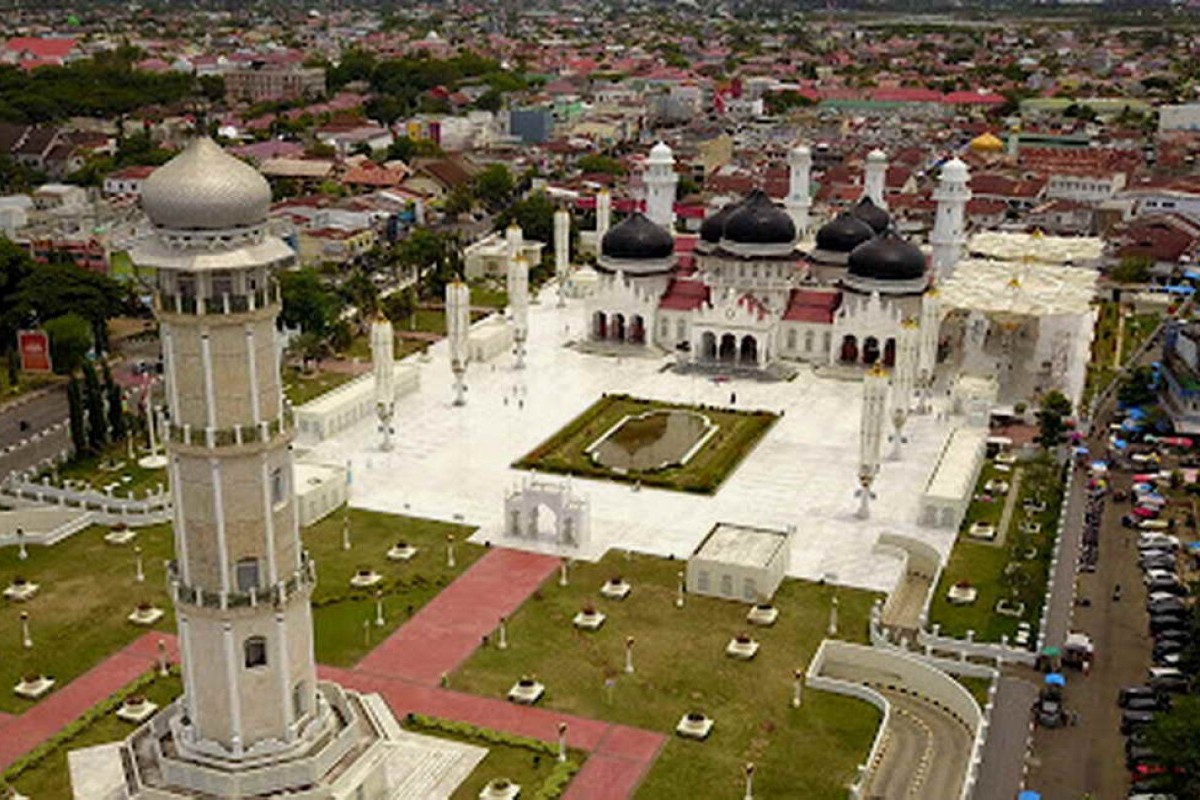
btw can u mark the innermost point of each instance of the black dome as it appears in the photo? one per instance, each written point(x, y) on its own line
point(713, 226)
point(759, 221)
point(843, 233)
point(636, 237)
point(887, 257)
point(873, 215)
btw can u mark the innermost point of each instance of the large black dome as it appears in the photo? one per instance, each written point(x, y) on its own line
point(636, 237)
point(713, 226)
point(759, 221)
point(843, 233)
point(873, 215)
point(887, 257)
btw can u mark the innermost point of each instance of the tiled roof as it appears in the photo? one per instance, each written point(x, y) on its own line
point(684, 295)
point(808, 305)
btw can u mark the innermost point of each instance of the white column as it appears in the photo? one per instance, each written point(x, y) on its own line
point(799, 198)
point(284, 672)
point(210, 399)
point(903, 378)
point(231, 680)
point(928, 346)
point(562, 251)
point(875, 179)
point(187, 667)
point(181, 542)
point(518, 303)
point(383, 364)
point(278, 372)
point(603, 215)
point(949, 227)
point(169, 367)
point(269, 522)
point(874, 410)
point(289, 498)
point(219, 517)
point(458, 303)
point(252, 364)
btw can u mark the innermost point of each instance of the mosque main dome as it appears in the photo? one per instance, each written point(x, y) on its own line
point(843, 233)
point(866, 210)
point(887, 257)
point(636, 238)
point(205, 188)
point(713, 227)
point(759, 221)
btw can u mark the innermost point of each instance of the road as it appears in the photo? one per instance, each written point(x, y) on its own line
point(926, 754)
point(46, 436)
point(1003, 765)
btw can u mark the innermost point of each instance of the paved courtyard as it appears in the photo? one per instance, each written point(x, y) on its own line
point(453, 463)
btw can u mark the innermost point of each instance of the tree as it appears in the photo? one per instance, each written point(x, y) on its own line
point(93, 401)
point(459, 201)
point(494, 187)
point(55, 289)
point(307, 302)
point(1052, 419)
point(1132, 269)
point(600, 163)
point(70, 340)
point(1138, 388)
point(400, 305)
point(15, 266)
point(75, 417)
point(362, 293)
point(116, 406)
point(1172, 736)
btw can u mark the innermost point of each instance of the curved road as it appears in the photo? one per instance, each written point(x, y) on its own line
point(926, 753)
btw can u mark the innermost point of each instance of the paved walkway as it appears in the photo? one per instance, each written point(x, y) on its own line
point(446, 631)
point(1010, 502)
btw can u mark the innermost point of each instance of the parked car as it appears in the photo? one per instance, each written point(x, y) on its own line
point(1156, 702)
point(1132, 720)
point(1139, 755)
point(1173, 684)
point(1128, 693)
point(1169, 585)
point(1159, 574)
point(1166, 563)
point(1166, 605)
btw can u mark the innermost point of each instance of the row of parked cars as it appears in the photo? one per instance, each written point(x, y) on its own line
point(1170, 621)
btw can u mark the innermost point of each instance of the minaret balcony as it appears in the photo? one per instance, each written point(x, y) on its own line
point(304, 578)
point(236, 436)
point(224, 304)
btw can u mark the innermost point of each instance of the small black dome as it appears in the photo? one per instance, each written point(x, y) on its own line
point(843, 233)
point(887, 257)
point(713, 226)
point(759, 221)
point(636, 237)
point(873, 215)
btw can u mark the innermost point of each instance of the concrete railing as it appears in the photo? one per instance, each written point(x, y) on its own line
point(108, 508)
point(46, 538)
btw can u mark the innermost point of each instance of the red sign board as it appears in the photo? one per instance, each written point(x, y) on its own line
point(35, 350)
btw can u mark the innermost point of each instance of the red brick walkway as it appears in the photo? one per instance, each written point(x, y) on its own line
point(444, 633)
point(405, 669)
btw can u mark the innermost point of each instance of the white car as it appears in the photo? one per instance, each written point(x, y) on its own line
point(1153, 575)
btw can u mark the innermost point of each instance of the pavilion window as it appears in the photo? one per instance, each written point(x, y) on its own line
point(255, 652)
point(247, 574)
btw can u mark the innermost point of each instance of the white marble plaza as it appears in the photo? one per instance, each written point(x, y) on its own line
point(452, 463)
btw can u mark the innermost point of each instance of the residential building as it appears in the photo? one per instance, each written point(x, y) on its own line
point(260, 82)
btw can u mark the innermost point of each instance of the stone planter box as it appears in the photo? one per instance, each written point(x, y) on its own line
point(589, 622)
point(137, 713)
point(146, 616)
point(526, 692)
point(694, 726)
point(1006, 609)
point(743, 650)
point(763, 615)
point(362, 580)
point(34, 689)
point(20, 592)
point(982, 530)
point(401, 553)
point(616, 590)
point(500, 790)
point(120, 537)
point(962, 595)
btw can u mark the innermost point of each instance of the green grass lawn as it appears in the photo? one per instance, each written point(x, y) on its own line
point(1138, 328)
point(484, 295)
point(300, 387)
point(98, 470)
point(984, 565)
point(50, 780)
point(680, 666)
point(564, 452)
point(339, 612)
point(88, 588)
point(978, 687)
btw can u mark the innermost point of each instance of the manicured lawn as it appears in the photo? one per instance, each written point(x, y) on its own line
point(78, 617)
point(987, 567)
point(50, 779)
point(88, 588)
point(300, 387)
point(680, 667)
point(737, 434)
point(340, 611)
point(978, 687)
point(482, 295)
point(113, 465)
point(1138, 328)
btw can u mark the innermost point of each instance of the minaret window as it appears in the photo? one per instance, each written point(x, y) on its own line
point(247, 572)
point(278, 487)
point(298, 704)
point(255, 651)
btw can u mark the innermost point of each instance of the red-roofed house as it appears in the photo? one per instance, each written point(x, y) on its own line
point(127, 181)
point(31, 51)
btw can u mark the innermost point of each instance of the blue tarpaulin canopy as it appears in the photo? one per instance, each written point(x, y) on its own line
point(1180, 289)
point(1029, 795)
point(1120, 444)
point(1193, 546)
point(1135, 412)
point(1055, 679)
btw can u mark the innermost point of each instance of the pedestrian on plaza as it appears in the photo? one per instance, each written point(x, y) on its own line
point(1117, 593)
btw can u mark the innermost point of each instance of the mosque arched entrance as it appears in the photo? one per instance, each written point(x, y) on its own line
point(729, 348)
point(870, 350)
point(600, 325)
point(749, 350)
point(849, 349)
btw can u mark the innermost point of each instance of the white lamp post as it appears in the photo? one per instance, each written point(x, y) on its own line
point(562, 741)
point(22, 553)
point(502, 636)
point(26, 639)
point(140, 576)
point(629, 654)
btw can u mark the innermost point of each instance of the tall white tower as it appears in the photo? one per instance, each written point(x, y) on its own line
point(661, 182)
point(903, 377)
point(603, 215)
point(870, 442)
point(927, 348)
point(562, 252)
point(458, 325)
point(875, 178)
point(514, 237)
point(799, 198)
point(253, 719)
point(949, 229)
point(518, 307)
point(383, 365)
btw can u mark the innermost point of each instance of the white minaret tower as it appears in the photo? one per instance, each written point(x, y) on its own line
point(874, 412)
point(799, 198)
point(903, 377)
point(927, 347)
point(562, 252)
point(518, 307)
point(458, 325)
point(253, 719)
point(603, 215)
point(661, 181)
point(383, 364)
point(949, 229)
point(875, 179)
point(515, 238)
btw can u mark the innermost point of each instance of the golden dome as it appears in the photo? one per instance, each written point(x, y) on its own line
point(987, 143)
